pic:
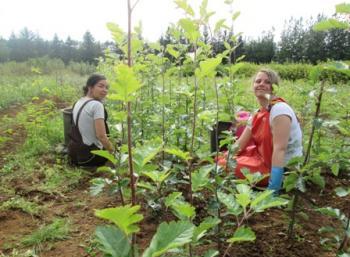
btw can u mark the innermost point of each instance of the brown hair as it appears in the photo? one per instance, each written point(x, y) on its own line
point(92, 81)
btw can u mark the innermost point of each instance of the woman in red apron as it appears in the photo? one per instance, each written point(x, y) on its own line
point(267, 152)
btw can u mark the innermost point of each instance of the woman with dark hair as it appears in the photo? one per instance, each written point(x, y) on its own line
point(90, 130)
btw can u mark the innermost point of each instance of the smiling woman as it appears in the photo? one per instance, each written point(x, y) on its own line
point(90, 130)
point(273, 136)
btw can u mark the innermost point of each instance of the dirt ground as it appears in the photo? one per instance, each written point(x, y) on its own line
point(78, 205)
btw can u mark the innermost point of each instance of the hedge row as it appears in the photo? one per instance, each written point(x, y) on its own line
point(296, 71)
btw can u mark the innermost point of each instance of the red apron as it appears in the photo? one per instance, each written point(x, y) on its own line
point(258, 156)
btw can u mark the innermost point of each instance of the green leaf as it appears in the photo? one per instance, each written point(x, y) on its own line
point(220, 24)
point(184, 210)
point(230, 202)
point(330, 24)
point(341, 192)
point(343, 8)
point(106, 155)
point(170, 49)
point(317, 179)
point(207, 68)
point(200, 178)
point(146, 152)
point(112, 241)
point(243, 199)
point(267, 200)
point(126, 83)
point(242, 234)
point(184, 6)
point(157, 176)
point(335, 169)
point(190, 28)
point(179, 153)
point(172, 198)
point(235, 16)
point(117, 33)
point(169, 236)
point(244, 189)
point(261, 196)
point(97, 185)
point(124, 217)
point(204, 226)
point(290, 182)
point(332, 212)
point(211, 253)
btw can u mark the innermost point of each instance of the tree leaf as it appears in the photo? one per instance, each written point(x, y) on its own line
point(204, 226)
point(112, 241)
point(190, 28)
point(200, 178)
point(230, 202)
point(146, 152)
point(184, 6)
point(126, 83)
point(170, 49)
point(169, 236)
point(335, 169)
point(330, 24)
point(267, 200)
point(343, 8)
point(172, 198)
point(341, 192)
point(97, 185)
point(118, 35)
point(211, 253)
point(220, 24)
point(242, 234)
point(332, 212)
point(243, 199)
point(184, 210)
point(179, 153)
point(124, 217)
point(207, 68)
point(106, 155)
point(235, 16)
point(290, 181)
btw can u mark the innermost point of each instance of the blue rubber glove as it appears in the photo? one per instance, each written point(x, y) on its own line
point(276, 177)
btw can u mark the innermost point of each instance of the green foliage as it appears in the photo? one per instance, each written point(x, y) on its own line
point(169, 236)
point(21, 204)
point(126, 84)
point(146, 152)
point(112, 241)
point(57, 230)
point(242, 234)
point(203, 227)
point(124, 217)
point(200, 178)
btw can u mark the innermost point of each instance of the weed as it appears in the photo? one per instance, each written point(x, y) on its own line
point(21, 204)
point(57, 230)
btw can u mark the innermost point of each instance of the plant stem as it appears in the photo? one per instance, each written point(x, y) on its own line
point(131, 168)
point(346, 238)
point(317, 112)
point(193, 128)
point(292, 222)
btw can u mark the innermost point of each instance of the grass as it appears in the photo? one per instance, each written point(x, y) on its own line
point(57, 230)
point(21, 204)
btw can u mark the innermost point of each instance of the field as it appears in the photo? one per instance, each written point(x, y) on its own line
point(49, 208)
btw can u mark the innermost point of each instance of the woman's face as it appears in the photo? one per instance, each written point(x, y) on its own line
point(99, 90)
point(262, 85)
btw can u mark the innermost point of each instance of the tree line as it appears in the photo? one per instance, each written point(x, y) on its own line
point(298, 42)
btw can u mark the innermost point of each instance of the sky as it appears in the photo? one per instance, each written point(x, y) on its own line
point(74, 17)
